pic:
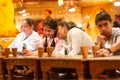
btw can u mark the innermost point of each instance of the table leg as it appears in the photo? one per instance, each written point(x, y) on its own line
point(2, 77)
point(9, 68)
point(35, 71)
point(45, 75)
point(2, 70)
point(95, 74)
point(80, 75)
point(95, 70)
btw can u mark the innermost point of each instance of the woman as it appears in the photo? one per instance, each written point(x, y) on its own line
point(27, 37)
point(74, 36)
point(50, 30)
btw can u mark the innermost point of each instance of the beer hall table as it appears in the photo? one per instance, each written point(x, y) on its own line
point(76, 62)
point(97, 65)
point(22, 60)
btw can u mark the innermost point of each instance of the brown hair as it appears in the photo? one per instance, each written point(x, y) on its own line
point(49, 11)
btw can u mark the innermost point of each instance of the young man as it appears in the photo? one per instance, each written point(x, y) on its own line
point(109, 37)
point(108, 40)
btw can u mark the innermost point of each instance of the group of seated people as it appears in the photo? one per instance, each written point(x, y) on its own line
point(61, 35)
point(67, 37)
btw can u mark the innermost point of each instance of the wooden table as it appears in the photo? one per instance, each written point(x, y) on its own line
point(2, 67)
point(28, 61)
point(97, 65)
point(76, 62)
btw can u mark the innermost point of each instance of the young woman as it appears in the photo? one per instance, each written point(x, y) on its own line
point(74, 36)
point(51, 39)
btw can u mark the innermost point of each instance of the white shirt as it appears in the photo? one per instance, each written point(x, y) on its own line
point(32, 42)
point(76, 38)
point(115, 38)
point(58, 44)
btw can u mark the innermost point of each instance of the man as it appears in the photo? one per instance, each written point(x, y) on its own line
point(39, 28)
point(109, 37)
point(108, 40)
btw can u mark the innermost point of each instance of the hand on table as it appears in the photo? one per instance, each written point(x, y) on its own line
point(103, 52)
point(26, 52)
point(101, 39)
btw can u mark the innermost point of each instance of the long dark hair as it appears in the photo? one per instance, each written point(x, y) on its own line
point(64, 23)
point(69, 25)
point(52, 24)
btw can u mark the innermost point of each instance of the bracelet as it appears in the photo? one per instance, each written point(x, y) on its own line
point(109, 50)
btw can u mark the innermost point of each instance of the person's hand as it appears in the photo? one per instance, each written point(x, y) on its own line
point(101, 39)
point(27, 52)
point(24, 51)
point(103, 53)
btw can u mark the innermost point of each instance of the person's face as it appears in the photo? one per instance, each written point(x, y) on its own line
point(62, 32)
point(105, 27)
point(49, 32)
point(47, 14)
point(26, 28)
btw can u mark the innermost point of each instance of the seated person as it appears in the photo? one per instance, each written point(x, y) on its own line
point(109, 38)
point(51, 39)
point(74, 36)
point(28, 39)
